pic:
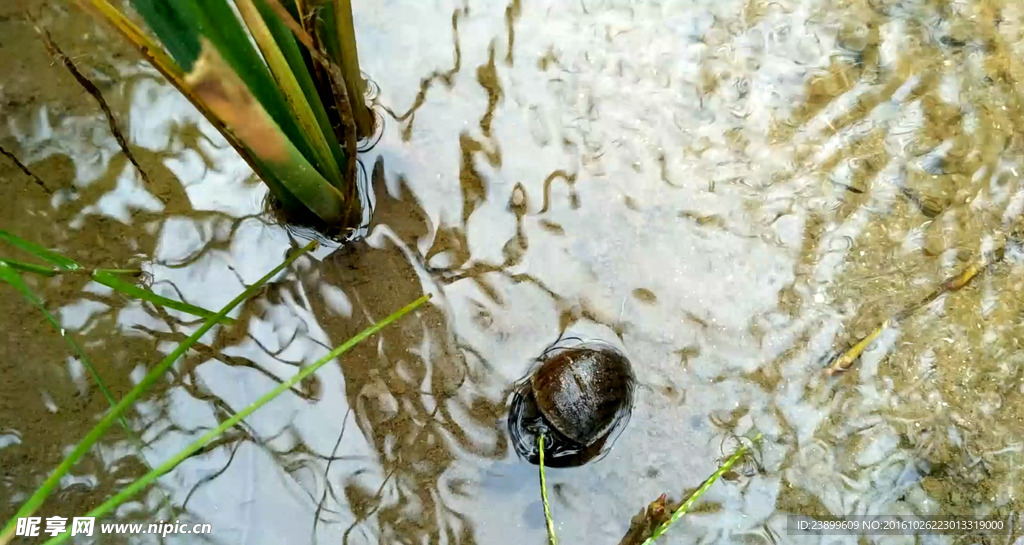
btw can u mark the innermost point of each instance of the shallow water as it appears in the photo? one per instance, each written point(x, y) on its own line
point(727, 191)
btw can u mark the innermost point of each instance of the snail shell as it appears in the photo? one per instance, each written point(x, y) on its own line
point(583, 392)
point(577, 397)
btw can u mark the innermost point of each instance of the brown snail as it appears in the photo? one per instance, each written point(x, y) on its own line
point(576, 397)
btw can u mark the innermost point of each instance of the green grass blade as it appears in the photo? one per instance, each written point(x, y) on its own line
point(8, 274)
point(107, 277)
point(42, 253)
point(685, 507)
point(271, 41)
point(131, 290)
point(39, 496)
point(29, 267)
point(209, 436)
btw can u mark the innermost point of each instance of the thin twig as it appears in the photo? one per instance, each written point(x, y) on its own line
point(685, 507)
point(91, 88)
point(552, 539)
point(846, 360)
point(25, 169)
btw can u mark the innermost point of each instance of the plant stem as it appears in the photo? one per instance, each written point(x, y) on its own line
point(552, 539)
point(192, 448)
point(685, 507)
point(350, 65)
point(39, 496)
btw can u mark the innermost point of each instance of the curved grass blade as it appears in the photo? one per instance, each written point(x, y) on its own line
point(7, 274)
point(131, 290)
point(109, 278)
point(42, 253)
point(43, 270)
point(209, 436)
point(39, 496)
point(685, 507)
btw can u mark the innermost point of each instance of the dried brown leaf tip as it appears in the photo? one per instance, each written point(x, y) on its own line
point(642, 525)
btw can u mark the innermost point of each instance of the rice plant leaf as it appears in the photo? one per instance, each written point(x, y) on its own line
point(39, 496)
point(303, 69)
point(29, 267)
point(284, 169)
point(10, 276)
point(271, 44)
point(147, 479)
point(279, 15)
point(349, 57)
point(174, 26)
point(42, 253)
point(131, 290)
point(155, 55)
point(219, 25)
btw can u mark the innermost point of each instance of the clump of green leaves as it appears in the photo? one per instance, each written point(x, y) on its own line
point(279, 78)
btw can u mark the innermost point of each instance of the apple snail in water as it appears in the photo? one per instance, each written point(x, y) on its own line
point(577, 397)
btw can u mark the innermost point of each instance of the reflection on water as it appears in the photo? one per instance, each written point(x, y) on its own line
point(728, 190)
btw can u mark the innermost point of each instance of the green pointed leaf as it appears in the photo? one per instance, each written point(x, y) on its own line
point(42, 253)
point(131, 290)
point(29, 267)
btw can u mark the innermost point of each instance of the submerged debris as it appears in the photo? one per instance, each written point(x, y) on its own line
point(846, 360)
